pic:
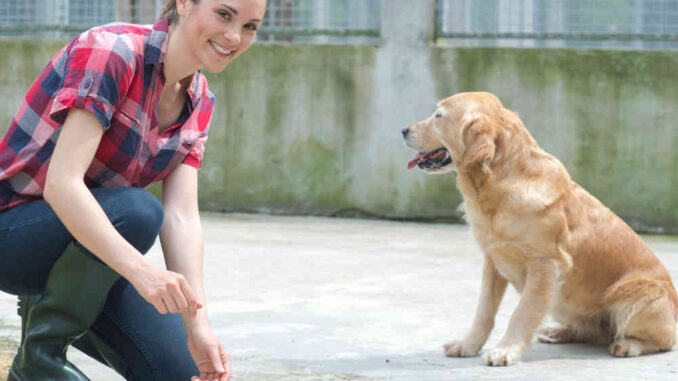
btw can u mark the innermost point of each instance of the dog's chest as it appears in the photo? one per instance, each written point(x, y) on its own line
point(515, 273)
point(507, 254)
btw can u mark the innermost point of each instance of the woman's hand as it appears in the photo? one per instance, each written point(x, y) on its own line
point(213, 362)
point(167, 291)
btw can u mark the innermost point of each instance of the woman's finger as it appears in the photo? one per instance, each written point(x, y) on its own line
point(191, 300)
point(225, 358)
point(178, 299)
point(160, 306)
point(225, 377)
point(215, 359)
point(226, 362)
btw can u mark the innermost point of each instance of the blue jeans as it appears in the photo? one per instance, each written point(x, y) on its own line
point(152, 346)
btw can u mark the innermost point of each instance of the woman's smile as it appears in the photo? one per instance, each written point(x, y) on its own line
point(220, 50)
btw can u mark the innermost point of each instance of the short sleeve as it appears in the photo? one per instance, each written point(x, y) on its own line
point(96, 74)
point(199, 125)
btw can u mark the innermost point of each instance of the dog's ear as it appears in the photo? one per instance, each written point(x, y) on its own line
point(477, 135)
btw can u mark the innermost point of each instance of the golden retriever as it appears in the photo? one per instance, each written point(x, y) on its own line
point(563, 250)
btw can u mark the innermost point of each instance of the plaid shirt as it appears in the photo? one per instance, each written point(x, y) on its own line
point(116, 72)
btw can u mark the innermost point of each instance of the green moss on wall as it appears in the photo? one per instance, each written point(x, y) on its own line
point(286, 131)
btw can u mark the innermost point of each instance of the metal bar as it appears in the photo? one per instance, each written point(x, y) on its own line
point(565, 36)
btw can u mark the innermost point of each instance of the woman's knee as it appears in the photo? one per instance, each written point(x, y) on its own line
point(137, 215)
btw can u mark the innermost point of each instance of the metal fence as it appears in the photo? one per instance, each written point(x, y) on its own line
point(559, 23)
point(60, 18)
point(326, 21)
point(522, 23)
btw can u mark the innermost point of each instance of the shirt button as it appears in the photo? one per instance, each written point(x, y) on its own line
point(87, 83)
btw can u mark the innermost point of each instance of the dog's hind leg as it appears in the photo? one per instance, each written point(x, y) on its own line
point(569, 334)
point(644, 316)
point(649, 330)
point(557, 335)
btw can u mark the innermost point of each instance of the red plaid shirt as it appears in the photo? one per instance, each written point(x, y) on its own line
point(116, 72)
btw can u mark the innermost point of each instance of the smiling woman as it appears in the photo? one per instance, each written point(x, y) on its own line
point(120, 107)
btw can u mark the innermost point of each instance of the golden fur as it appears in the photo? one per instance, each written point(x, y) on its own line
point(563, 250)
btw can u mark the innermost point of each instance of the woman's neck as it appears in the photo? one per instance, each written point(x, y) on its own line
point(178, 64)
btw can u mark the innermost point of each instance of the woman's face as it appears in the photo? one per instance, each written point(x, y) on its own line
point(217, 31)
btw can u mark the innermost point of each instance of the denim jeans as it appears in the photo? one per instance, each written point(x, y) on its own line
point(152, 346)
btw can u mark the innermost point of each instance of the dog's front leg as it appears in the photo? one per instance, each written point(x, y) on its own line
point(538, 293)
point(491, 293)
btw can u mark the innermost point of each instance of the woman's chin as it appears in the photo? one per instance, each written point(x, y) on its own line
point(214, 69)
point(216, 66)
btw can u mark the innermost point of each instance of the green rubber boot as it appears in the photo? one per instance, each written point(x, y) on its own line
point(74, 295)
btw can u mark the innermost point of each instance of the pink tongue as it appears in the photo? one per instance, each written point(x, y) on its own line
point(412, 163)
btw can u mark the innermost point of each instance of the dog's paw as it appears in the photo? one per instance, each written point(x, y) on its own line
point(625, 348)
point(461, 349)
point(554, 335)
point(503, 356)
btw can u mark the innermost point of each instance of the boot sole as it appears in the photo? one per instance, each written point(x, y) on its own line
point(11, 376)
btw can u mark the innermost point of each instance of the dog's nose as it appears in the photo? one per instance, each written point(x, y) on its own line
point(405, 131)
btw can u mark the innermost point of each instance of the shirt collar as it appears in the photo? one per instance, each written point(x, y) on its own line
point(155, 50)
point(156, 45)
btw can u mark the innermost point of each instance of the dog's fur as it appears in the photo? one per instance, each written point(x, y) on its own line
point(563, 250)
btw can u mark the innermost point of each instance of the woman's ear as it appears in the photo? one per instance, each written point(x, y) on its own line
point(182, 7)
point(479, 148)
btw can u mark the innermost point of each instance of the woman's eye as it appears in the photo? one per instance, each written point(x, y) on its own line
point(251, 27)
point(224, 14)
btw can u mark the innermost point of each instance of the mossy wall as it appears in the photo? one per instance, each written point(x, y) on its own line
point(316, 129)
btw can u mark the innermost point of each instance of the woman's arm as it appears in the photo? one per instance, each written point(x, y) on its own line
point(182, 244)
point(181, 233)
point(71, 200)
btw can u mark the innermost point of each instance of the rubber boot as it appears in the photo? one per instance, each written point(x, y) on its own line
point(74, 295)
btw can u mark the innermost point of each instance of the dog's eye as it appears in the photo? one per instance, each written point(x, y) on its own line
point(439, 114)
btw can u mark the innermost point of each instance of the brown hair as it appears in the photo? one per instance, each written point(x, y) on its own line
point(170, 10)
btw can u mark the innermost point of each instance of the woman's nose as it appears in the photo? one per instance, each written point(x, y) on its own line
point(232, 35)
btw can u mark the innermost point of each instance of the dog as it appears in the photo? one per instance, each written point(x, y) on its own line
point(561, 248)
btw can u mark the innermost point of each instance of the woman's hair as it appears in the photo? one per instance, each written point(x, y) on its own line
point(170, 10)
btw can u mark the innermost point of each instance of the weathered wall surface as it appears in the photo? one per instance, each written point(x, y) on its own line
point(316, 129)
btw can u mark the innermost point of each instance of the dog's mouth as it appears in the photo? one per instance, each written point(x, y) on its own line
point(431, 160)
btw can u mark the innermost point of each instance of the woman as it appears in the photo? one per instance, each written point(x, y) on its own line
point(120, 107)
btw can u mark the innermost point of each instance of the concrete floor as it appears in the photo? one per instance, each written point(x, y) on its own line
point(296, 298)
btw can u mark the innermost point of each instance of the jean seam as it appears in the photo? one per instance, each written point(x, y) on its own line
point(139, 345)
point(33, 220)
point(28, 222)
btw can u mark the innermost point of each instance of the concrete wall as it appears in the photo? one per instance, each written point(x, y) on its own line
point(316, 129)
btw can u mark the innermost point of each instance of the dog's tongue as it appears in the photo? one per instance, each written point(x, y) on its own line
point(413, 163)
point(436, 155)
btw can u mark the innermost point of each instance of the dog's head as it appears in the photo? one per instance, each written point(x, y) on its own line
point(461, 134)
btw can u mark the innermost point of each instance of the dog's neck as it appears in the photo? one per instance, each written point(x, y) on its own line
point(485, 189)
